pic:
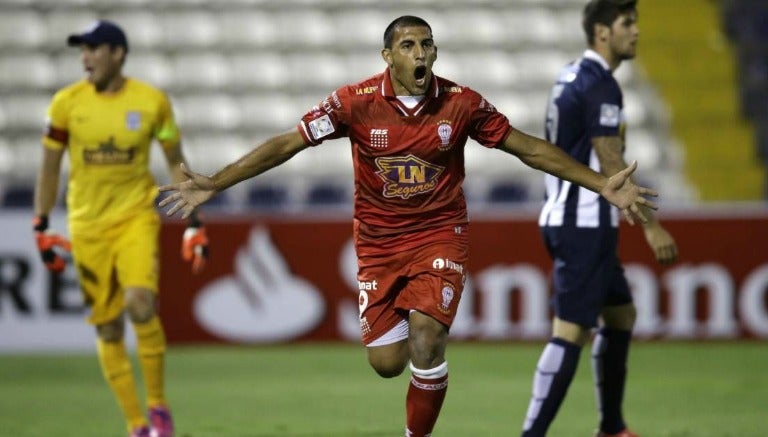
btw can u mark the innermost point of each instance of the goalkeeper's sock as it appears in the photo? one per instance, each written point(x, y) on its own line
point(116, 367)
point(554, 373)
point(609, 364)
point(150, 345)
point(426, 393)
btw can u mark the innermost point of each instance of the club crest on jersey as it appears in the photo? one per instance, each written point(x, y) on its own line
point(447, 294)
point(133, 120)
point(444, 131)
point(407, 176)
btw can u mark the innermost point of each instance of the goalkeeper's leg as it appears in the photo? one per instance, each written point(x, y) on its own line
point(116, 367)
point(150, 340)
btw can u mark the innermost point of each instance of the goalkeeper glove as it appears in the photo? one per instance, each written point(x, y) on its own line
point(194, 245)
point(47, 240)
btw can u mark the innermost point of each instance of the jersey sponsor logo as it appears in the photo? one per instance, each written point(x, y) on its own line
point(407, 176)
point(108, 154)
point(321, 127)
point(368, 285)
point(610, 115)
point(452, 89)
point(444, 131)
point(444, 263)
point(366, 90)
point(379, 138)
point(132, 120)
point(447, 294)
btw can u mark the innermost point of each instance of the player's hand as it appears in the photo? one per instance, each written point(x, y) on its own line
point(47, 240)
point(628, 197)
point(194, 247)
point(662, 243)
point(189, 194)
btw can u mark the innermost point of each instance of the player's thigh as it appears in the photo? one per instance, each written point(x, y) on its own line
point(95, 262)
point(436, 277)
point(583, 274)
point(138, 253)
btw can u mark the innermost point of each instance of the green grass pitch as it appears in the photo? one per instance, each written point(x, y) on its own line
point(316, 390)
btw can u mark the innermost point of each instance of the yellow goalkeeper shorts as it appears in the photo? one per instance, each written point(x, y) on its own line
point(126, 256)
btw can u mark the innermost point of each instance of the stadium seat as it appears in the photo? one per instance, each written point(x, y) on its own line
point(18, 196)
point(508, 192)
point(204, 70)
point(267, 197)
point(266, 70)
point(62, 23)
point(26, 111)
point(27, 71)
point(238, 29)
point(205, 112)
point(143, 27)
point(189, 29)
point(150, 67)
point(22, 29)
point(328, 195)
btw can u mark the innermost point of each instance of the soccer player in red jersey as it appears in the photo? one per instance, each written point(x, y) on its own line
point(407, 129)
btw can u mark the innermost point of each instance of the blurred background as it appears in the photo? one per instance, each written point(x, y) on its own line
point(239, 71)
point(283, 268)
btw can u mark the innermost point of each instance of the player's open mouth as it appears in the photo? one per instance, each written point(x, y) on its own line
point(420, 74)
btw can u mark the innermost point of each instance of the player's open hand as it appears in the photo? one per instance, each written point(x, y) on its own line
point(189, 194)
point(628, 197)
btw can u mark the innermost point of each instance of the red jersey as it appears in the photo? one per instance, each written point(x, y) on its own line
point(408, 163)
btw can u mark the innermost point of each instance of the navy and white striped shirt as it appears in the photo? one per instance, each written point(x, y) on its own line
point(585, 102)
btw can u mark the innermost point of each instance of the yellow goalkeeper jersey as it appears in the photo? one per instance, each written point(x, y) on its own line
point(108, 139)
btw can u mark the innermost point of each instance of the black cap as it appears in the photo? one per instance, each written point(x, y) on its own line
point(100, 32)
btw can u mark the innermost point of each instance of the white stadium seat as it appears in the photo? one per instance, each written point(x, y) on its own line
point(22, 29)
point(27, 71)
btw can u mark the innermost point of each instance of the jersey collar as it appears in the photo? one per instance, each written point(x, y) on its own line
point(594, 56)
point(388, 92)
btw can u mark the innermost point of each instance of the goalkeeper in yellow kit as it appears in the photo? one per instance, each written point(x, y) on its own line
point(106, 123)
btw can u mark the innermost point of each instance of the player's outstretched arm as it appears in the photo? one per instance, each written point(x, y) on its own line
point(618, 189)
point(197, 189)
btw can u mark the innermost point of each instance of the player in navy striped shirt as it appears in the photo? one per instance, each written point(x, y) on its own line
point(585, 118)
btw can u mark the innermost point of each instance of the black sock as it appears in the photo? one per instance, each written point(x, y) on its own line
point(554, 373)
point(609, 364)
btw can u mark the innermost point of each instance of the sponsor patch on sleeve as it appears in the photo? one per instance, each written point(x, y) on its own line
point(610, 115)
point(321, 127)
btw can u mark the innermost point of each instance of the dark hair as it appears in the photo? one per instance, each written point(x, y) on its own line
point(404, 21)
point(603, 12)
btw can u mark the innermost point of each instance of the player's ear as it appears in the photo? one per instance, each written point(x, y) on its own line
point(386, 55)
point(602, 32)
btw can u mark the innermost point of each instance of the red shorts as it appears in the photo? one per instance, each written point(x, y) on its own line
point(427, 277)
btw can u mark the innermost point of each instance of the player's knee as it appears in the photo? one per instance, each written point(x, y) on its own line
point(389, 361)
point(621, 317)
point(111, 331)
point(427, 341)
point(388, 368)
point(140, 305)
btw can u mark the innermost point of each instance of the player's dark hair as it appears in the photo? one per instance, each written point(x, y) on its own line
point(603, 12)
point(404, 21)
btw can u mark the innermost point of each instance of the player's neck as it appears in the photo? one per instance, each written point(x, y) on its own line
point(612, 60)
point(113, 85)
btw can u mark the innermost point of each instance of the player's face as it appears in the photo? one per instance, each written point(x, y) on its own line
point(624, 36)
point(102, 63)
point(410, 60)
